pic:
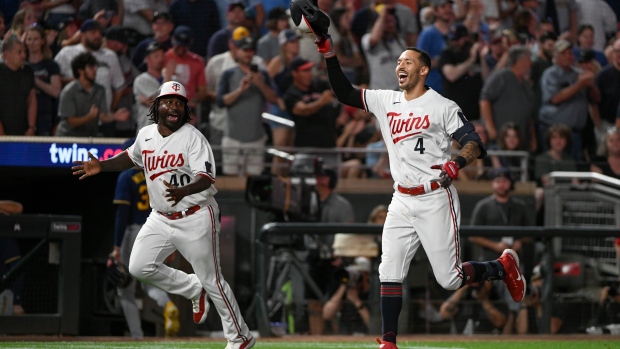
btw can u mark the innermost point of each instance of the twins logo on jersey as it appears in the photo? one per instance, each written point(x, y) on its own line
point(153, 164)
point(407, 126)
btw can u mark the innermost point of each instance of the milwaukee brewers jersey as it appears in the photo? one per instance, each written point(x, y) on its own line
point(176, 159)
point(417, 133)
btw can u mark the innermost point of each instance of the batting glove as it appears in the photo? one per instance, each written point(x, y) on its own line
point(325, 46)
point(449, 172)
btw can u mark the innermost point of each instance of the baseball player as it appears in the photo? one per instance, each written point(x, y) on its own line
point(132, 200)
point(418, 126)
point(179, 170)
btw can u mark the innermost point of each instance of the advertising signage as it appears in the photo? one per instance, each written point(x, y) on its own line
point(55, 151)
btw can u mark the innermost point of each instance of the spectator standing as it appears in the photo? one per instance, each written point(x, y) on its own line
point(352, 61)
point(218, 116)
point(58, 11)
point(116, 41)
point(83, 106)
point(109, 73)
point(46, 79)
point(218, 43)
point(244, 90)
point(566, 15)
point(433, 39)
point(162, 27)
point(541, 61)
point(601, 17)
point(146, 85)
point(566, 92)
point(139, 15)
point(24, 18)
point(364, 18)
point(112, 10)
point(201, 16)
point(381, 48)
point(463, 71)
point(268, 45)
point(608, 83)
point(186, 67)
point(132, 209)
point(312, 105)
point(585, 41)
point(19, 117)
point(507, 96)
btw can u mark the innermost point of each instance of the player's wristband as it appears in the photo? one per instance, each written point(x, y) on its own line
point(460, 161)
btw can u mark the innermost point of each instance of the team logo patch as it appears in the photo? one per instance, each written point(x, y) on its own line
point(176, 86)
point(208, 166)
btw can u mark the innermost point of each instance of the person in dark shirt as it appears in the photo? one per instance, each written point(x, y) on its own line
point(18, 117)
point(313, 107)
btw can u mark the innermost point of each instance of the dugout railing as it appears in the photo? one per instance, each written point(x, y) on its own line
point(50, 261)
point(258, 308)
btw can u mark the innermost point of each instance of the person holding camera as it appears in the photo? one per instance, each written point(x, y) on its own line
point(608, 311)
point(244, 90)
point(352, 284)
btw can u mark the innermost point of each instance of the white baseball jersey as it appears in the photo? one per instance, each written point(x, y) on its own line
point(417, 133)
point(177, 159)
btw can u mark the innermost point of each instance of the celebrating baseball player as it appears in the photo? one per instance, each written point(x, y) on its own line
point(179, 169)
point(418, 126)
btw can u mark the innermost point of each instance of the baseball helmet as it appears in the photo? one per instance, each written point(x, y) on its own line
point(172, 88)
point(117, 273)
point(309, 18)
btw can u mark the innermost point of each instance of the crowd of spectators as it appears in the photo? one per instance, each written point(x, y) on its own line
point(520, 69)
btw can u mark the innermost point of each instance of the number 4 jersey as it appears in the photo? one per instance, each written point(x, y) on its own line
point(176, 159)
point(417, 133)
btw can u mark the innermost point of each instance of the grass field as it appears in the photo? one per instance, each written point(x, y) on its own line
point(463, 343)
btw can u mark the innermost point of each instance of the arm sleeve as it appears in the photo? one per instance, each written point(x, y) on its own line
point(341, 86)
point(122, 216)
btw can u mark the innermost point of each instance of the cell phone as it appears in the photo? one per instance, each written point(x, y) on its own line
point(253, 68)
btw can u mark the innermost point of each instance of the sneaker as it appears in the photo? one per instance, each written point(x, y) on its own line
point(386, 345)
point(200, 306)
point(245, 345)
point(514, 280)
point(171, 319)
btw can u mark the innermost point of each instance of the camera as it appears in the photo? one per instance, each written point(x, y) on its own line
point(253, 68)
point(291, 198)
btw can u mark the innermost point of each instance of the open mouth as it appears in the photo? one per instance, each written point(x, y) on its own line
point(402, 77)
point(172, 117)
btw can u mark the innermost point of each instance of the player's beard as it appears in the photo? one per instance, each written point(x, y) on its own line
point(412, 80)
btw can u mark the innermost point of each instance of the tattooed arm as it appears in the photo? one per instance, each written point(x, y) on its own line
point(470, 152)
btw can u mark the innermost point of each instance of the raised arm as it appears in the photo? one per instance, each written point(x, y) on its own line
point(119, 162)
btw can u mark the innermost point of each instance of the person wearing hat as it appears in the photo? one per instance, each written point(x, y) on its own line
point(268, 45)
point(364, 18)
point(503, 209)
point(83, 108)
point(309, 101)
point(463, 70)
point(566, 94)
point(109, 72)
point(201, 16)
point(186, 67)
point(433, 39)
point(162, 27)
point(213, 72)
point(235, 16)
point(146, 85)
point(244, 91)
point(131, 214)
point(117, 40)
point(585, 42)
point(184, 215)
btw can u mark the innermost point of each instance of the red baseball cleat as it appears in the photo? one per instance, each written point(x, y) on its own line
point(386, 345)
point(514, 280)
point(200, 306)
